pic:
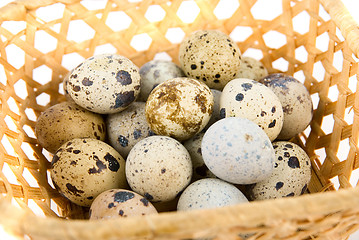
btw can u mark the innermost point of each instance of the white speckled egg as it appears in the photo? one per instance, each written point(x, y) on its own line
point(290, 177)
point(128, 127)
point(65, 121)
point(238, 151)
point(250, 99)
point(105, 83)
point(216, 108)
point(193, 146)
point(296, 102)
point(179, 108)
point(252, 68)
point(155, 72)
point(210, 56)
point(116, 203)
point(82, 168)
point(209, 193)
point(158, 168)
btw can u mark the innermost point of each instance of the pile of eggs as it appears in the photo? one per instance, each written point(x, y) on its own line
point(212, 132)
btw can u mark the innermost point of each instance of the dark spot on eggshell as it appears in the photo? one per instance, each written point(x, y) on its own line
point(263, 113)
point(124, 99)
point(217, 75)
point(199, 150)
point(123, 141)
point(76, 151)
point(293, 162)
point(287, 109)
point(111, 205)
point(156, 73)
point(55, 158)
point(288, 145)
point(273, 110)
point(279, 185)
point(73, 190)
point(193, 66)
point(247, 86)
point(163, 170)
point(73, 163)
point(113, 164)
point(148, 196)
point(201, 102)
point(290, 194)
point(202, 62)
point(304, 189)
point(151, 133)
point(239, 97)
point(276, 165)
point(248, 137)
point(100, 166)
point(123, 77)
point(121, 213)
point(144, 201)
point(272, 124)
point(76, 88)
point(86, 82)
point(123, 196)
point(286, 154)
point(90, 198)
point(202, 170)
point(222, 113)
point(137, 133)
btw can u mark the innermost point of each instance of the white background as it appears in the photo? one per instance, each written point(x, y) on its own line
point(353, 7)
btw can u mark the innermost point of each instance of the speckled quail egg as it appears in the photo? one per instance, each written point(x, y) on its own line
point(116, 203)
point(65, 121)
point(250, 99)
point(296, 102)
point(126, 128)
point(82, 168)
point(193, 146)
point(65, 84)
point(290, 177)
point(252, 68)
point(179, 108)
point(155, 72)
point(105, 83)
point(158, 168)
point(238, 151)
point(216, 108)
point(209, 193)
point(210, 56)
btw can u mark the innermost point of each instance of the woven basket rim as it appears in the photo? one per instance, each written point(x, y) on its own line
point(250, 214)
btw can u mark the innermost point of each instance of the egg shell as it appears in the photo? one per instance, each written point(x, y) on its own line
point(116, 203)
point(209, 193)
point(65, 84)
point(158, 168)
point(252, 68)
point(179, 108)
point(82, 168)
point(250, 99)
point(105, 83)
point(65, 121)
point(193, 146)
point(155, 72)
point(290, 177)
point(238, 151)
point(296, 102)
point(128, 127)
point(210, 56)
point(216, 108)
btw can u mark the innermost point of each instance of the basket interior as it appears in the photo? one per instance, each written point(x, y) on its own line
point(296, 37)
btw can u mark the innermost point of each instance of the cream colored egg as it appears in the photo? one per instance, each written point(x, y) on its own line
point(179, 108)
point(250, 99)
point(155, 72)
point(210, 56)
point(116, 203)
point(158, 168)
point(105, 83)
point(128, 127)
point(252, 68)
point(82, 168)
point(65, 121)
point(290, 177)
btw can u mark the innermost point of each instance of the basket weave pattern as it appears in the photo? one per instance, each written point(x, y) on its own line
point(330, 215)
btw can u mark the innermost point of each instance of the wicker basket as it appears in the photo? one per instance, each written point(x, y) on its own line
point(317, 41)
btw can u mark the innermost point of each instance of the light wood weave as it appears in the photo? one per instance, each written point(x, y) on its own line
point(328, 39)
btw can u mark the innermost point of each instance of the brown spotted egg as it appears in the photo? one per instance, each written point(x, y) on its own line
point(252, 68)
point(296, 101)
point(116, 203)
point(290, 177)
point(210, 56)
point(250, 99)
point(126, 128)
point(105, 83)
point(82, 168)
point(158, 168)
point(179, 108)
point(65, 121)
point(155, 72)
